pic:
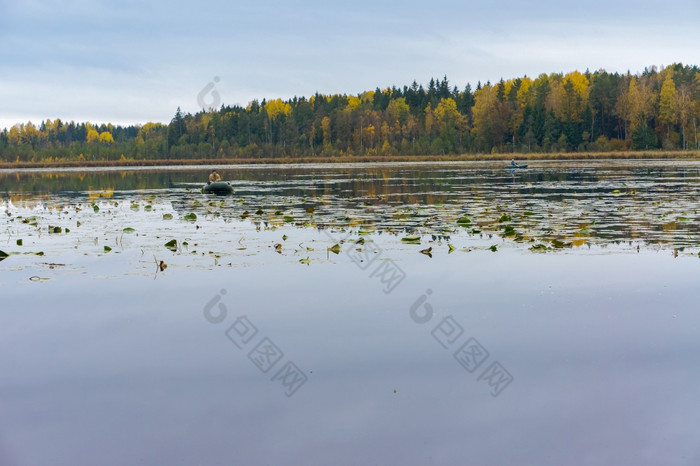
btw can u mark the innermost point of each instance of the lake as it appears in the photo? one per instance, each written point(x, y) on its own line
point(391, 314)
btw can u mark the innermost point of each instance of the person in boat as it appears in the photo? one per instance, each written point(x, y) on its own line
point(214, 177)
point(512, 163)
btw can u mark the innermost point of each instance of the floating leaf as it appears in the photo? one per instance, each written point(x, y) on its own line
point(172, 245)
point(494, 248)
point(310, 210)
point(508, 230)
point(670, 226)
point(134, 206)
point(95, 207)
point(364, 232)
point(3, 255)
point(427, 252)
point(128, 230)
point(305, 261)
point(528, 213)
point(167, 216)
point(259, 212)
point(288, 219)
point(107, 248)
point(162, 266)
point(278, 248)
point(559, 244)
point(191, 217)
point(464, 220)
point(55, 229)
point(504, 218)
point(148, 208)
point(539, 247)
point(284, 237)
point(450, 248)
point(683, 219)
point(360, 241)
point(335, 249)
point(411, 239)
point(19, 242)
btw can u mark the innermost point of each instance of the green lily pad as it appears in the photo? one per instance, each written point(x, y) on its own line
point(464, 220)
point(19, 242)
point(95, 207)
point(172, 245)
point(128, 230)
point(560, 244)
point(288, 219)
point(3, 255)
point(411, 239)
point(493, 248)
point(167, 216)
point(107, 248)
point(335, 249)
point(191, 217)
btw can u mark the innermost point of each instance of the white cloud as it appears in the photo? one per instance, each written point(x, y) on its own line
point(133, 62)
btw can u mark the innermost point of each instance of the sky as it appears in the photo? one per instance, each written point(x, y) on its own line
point(132, 62)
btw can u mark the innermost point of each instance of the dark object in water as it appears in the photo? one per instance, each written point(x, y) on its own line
point(516, 166)
point(220, 188)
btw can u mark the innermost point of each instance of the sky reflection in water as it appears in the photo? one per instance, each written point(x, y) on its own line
point(112, 362)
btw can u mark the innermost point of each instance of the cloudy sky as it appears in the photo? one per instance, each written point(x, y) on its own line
point(137, 61)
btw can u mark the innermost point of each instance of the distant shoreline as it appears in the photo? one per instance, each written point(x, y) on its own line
point(520, 158)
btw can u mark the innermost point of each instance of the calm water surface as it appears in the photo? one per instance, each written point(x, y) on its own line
point(550, 319)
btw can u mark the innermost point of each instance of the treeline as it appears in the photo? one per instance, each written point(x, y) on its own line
point(599, 111)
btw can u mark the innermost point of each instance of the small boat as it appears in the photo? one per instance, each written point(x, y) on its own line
point(516, 166)
point(220, 188)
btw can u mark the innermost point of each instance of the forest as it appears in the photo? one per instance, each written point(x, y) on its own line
point(657, 109)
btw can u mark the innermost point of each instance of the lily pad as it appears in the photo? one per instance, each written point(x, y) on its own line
point(107, 248)
point(464, 220)
point(19, 242)
point(167, 216)
point(494, 248)
point(560, 244)
point(191, 217)
point(411, 239)
point(3, 255)
point(128, 230)
point(172, 245)
point(335, 249)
